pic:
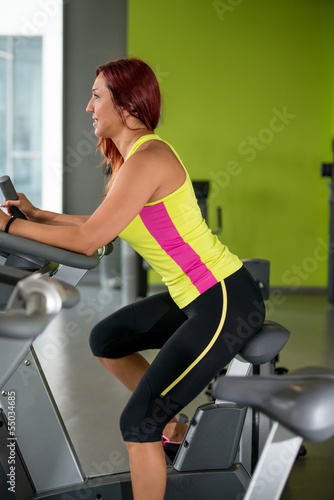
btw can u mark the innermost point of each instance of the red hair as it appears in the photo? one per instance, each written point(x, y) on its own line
point(135, 88)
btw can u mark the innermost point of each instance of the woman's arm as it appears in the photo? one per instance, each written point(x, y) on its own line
point(35, 214)
point(54, 219)
point(134, 185)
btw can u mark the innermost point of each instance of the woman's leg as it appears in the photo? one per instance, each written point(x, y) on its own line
point(146, 324)
point(220, 323)
point(148, 470)
point(128, 370)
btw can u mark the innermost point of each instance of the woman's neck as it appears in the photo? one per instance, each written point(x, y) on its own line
point(128, 138)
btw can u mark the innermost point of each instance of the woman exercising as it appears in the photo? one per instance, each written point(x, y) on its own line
point(212, 306)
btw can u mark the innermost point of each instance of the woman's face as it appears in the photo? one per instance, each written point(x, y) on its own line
point(106, 118)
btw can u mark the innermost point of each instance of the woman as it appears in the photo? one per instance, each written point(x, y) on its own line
point(212, 306)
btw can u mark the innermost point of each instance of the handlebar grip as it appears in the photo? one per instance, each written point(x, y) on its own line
point(10, 193)
point(71, 295)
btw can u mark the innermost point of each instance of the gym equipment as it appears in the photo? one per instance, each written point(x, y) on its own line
point(10, 193)
point(33, 256)
point(52, 475)
point(17, 352)
point(327, 170)
point(303, 404)
point(256, 359)
point(33, 304)
point(36, 299)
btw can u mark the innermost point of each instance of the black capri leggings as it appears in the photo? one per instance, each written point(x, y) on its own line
point(195, 344)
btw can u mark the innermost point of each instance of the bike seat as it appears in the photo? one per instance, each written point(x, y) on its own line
point(302, 403)
point(266, 343)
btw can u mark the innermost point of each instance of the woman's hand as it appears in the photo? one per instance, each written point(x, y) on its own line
point(24, 205)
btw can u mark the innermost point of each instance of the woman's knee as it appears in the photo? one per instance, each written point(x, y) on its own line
point(96, 341)
point(103, 341)
point(146, 415)
point(110, 337)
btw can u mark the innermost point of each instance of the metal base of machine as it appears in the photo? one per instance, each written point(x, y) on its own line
point(185, 485)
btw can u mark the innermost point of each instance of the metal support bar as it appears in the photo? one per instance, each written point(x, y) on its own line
point(38, 423)
point(274, 465)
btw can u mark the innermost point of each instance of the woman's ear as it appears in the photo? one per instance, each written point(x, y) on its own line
point(125, 113)
point(130, 117)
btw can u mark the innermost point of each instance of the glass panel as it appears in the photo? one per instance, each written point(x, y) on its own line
point(21, 113)
point(3, 91)
point(28, 178)
point(27, 98)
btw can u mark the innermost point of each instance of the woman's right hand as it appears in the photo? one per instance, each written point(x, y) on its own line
point(24, 205)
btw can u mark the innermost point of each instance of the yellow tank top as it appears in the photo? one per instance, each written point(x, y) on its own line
point(172, 236)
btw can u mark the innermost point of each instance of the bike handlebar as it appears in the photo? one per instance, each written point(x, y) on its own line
point(40, 299)
point(10, 193)
point(12, 243)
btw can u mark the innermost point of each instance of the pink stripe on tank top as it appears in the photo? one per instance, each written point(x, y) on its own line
point(158, 222)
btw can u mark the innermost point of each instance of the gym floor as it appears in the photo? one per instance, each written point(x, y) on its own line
point(91, 400)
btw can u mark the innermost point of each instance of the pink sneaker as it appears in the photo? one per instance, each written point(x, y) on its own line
point(165, 440)
point(170, 447)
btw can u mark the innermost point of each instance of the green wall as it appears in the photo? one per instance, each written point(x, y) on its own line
point(248, 103)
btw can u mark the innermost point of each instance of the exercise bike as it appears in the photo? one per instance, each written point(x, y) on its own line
point(301, 405)
point(43, 431)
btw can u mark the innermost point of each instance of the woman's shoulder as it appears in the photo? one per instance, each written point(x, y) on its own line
point(157, 162)
point(153, 154)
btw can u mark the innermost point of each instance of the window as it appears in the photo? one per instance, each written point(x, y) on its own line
point(31, 99)
point(21, 112)
point(3, 109)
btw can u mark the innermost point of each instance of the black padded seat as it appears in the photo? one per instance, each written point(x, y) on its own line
point(303, 404)
point(266, 343)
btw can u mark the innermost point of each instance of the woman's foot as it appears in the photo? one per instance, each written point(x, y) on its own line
point(172, 437)
point(175, 431)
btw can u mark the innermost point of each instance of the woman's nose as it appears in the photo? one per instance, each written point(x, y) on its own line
point(89, 107)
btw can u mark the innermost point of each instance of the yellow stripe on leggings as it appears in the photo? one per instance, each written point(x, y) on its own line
point(207, 349)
